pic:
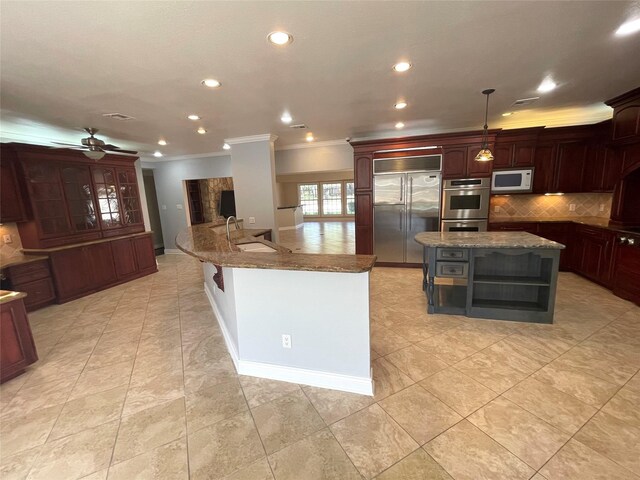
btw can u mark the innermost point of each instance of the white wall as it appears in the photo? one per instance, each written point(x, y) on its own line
point(169, 177)
point(320, 157)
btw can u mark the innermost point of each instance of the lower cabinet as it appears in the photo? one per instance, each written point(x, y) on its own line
point(81, 270)
point(593, 253)
point(17, 349)
point(34, 279)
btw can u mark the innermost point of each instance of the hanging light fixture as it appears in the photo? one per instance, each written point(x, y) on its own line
point(485, 155)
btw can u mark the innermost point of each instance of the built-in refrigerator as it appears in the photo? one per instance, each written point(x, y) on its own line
point(405, 203)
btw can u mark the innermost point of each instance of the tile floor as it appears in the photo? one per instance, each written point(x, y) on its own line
point(135, 383)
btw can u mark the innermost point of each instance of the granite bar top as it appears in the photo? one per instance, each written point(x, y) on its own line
point(44, 251)
point(20, 260)
point(599, 222)
point(485, 240)
point(203, 243)
point(7, 296)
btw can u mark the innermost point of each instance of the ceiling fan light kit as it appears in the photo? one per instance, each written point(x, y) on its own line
point(485, 155)
point(94, 148)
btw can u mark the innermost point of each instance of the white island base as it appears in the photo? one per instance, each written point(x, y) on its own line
point(326, 315)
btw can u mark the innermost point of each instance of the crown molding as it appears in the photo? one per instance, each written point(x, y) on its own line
point(326, 143)
point(265, 137)
point(172, 158)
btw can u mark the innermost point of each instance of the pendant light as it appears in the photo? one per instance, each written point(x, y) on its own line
point(485, 155)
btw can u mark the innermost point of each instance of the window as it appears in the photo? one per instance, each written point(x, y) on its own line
point(327, 199)
point(309, 199)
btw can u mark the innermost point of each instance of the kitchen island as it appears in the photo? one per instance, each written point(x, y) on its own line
point(498, 275)
point(295, 317)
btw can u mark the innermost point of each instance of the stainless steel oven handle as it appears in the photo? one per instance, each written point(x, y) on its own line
point(402, 188)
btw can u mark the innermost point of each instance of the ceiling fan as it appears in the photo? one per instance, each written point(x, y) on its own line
point(94, 148)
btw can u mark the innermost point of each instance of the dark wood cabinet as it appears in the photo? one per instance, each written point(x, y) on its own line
point(460, 162)
point(625, 278)
point(12, 207)
point(70, 273)
point(569, 167)
point(363, 172)
point(17, 349)
point(544, 163)
point(34, 279)
point(593, 253)
point(124, 258)
point(515, 148)
point(602, 170)
point(626, 116)
point(196, 208)
point(477, 169)
point(99, 261)
point(560, 232)
point(145, 254)
point(364, 223)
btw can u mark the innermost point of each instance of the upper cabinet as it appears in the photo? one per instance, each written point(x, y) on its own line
point(459, 161)
point(73, 199)
point(516, 148)
point(12, 207)
point(626, 116)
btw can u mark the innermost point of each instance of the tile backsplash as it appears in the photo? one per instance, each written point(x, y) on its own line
point(585, 204)
point(8, 250)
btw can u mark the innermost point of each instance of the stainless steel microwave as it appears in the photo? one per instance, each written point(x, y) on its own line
point(512, 181)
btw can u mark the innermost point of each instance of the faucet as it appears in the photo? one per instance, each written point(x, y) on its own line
point(235, 221)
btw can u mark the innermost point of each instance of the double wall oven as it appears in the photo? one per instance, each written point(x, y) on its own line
point(465, 205)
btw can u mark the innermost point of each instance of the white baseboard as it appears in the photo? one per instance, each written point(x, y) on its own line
point(314, 378)
point(174, 251)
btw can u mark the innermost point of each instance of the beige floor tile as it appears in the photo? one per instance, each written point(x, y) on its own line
point(522, 433)
point(22, 432)
point(209, 374)
point(99, 475)
point(334, 405)
point(210, 405)
point(90, 411)
point(263, 390)
point(286, 420)
point(421, 414)
point(490, 372)
point(545, 345)
point(224, 447)
point(317, 457)
point(102, 379)
point(624, 405)
point(259, 470)
point(387, 378)
point(447, 347)
point(203, 349)
point(372, 440)
point(417, 466)
point(467, 453)
point(77, 455)
point(614, 439)
point(149, 429)
point(515, 357)
point(416, 363)
point(599, 363)
point(561, 410)
point(154, 391)
point(577, 461)
point(40, 396)
point(384, 341)
point(168, 462)
point(415, 329)
point(17, 467)
point(108, 354)
point(591, 390)
point(458, 391)
point(474, 337)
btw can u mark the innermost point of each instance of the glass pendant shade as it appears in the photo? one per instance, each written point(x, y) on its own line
point(484, 155)
point(94, 154)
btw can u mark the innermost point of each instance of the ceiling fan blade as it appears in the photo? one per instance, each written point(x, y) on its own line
point(124, 153)
point(113, 148)
point(69, 144)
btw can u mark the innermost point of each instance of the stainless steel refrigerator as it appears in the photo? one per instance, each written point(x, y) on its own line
point(405, 204)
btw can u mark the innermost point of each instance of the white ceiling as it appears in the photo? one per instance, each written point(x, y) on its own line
point(64, 64)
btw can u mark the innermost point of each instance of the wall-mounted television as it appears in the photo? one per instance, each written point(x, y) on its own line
point(227, 204)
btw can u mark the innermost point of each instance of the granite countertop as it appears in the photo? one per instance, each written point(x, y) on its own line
point(599, 222)
point(208, 246)
point(7, 296)
point(485, 240)
point(35, 251)
point(20, 260)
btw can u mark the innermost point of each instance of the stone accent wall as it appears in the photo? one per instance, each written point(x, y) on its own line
point(8, 250)
point(586, 205)
point(210, 189)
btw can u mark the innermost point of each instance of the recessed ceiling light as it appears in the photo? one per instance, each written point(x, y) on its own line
point(402, 66)
point(286, 118)
point(400, 105)
point(547, 85)
point(280, 38)
point(507, 114)
point(157, 154)
point(310, 137)
point(399, 125)
point(226, 146)
point(201, 131)
point(162, 142)
point(627, 28)
point(211, 83)
point(193, 116)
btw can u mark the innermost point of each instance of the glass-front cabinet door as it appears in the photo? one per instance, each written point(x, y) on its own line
point(78, 190)
point(104, 180)
point(131, 213)
point(47, 198)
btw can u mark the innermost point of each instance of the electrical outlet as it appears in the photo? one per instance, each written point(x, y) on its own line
point(179, 206)
point(252, 219)
point(7, 238)
point(164, 207)
point(572, 207)
point(286, 341)
point(496, 209)
point(602, 207)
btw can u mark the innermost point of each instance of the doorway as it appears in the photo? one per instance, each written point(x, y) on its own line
point(154, 211)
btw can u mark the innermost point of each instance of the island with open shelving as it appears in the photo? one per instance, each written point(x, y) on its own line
point(497, 275)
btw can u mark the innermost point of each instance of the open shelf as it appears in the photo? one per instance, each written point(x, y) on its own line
point(511, 280)
point(510, 305)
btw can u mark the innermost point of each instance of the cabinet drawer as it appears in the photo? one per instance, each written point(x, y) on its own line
point(38, 292)
point(595, 233)
point(29, 272)
point(452, 254)
point(452, 269)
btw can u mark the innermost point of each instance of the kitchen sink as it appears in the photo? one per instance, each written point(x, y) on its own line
point(255, 247)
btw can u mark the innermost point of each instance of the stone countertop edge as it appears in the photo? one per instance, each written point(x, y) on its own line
point(207, 246)
point(45, 251)
point(7, 296)
point(485, 240)
point(599, 222)
point(20, 260)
